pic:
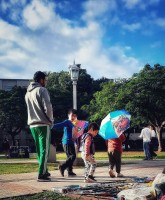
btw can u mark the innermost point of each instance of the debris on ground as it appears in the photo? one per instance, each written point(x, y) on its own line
point(108, 190)
point(122, 189)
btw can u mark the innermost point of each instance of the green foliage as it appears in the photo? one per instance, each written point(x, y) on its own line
point(61, 92)
point(60, 86)
point(13, 111)
point(104, 101)
point(143, 95)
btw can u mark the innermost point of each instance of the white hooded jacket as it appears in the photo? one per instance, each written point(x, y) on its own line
point(39, 107)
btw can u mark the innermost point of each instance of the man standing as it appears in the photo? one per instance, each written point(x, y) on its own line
point(40, 118)
point(146, 135)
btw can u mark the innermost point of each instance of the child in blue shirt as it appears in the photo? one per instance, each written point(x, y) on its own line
point(68, 143)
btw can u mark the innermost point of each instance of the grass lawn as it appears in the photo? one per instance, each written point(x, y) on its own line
point(125, 155)
point(17, 168)
point(98, 155)
point(48, 195)
point(26, 167)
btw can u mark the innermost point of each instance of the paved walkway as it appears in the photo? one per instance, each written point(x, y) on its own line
point(23, 184)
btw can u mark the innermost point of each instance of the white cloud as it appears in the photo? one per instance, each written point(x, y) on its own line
point(131, 3)
point(7, 31)
point(111, 63)
point(13, 8)
point(132, 27)
point(49, 42)
point(14, 35)
point(156, 44)
point(124, 65)
point(160, 22)
point(134, 4)
point(37, 15)
point(94, 9)
point(151, 2)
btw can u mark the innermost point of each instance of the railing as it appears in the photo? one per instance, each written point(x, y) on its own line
point(19, 151)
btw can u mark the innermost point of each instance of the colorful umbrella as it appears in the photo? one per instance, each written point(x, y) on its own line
point(78, 129)
point(114, 124)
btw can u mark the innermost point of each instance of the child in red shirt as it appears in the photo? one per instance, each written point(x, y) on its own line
point(114, 154)
point(87, 152)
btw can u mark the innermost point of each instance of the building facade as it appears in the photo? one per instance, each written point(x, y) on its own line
point(8, 84)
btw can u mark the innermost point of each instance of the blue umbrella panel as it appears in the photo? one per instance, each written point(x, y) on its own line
point(114, 124)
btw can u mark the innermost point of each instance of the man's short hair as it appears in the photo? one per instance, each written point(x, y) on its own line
point(94, 126)
point(38, 76)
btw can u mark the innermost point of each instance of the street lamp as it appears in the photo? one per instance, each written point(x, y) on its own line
point(74, 73)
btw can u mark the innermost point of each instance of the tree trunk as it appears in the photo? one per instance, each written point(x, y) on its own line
point(13, 139)
point(159, 138)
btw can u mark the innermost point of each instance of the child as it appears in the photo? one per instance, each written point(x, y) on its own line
point(87, 152)
point(114, 154)
point(68, 143)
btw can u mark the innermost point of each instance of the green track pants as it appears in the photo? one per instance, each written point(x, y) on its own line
point(41, 136)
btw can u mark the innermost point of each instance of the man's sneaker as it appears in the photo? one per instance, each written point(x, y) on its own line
point(91, 178)
point(111, 173)
point(71, 174)
point(119, 175)
point(61, 171)
point(47, 174)
point(43, 178)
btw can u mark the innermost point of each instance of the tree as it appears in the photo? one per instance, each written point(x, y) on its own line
point(104, 101)
point(143, 95)
point(60, 86)
point(13, 116)
point(61, 92)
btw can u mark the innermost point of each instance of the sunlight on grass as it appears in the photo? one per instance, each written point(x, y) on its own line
point(16, 168)
point(104, 155)
point(9, 167)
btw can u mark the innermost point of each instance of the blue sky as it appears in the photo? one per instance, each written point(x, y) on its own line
point(109, 38)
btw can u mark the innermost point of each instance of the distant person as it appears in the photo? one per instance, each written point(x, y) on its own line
point(146, 136)
point(153, 143)
point(114, 154)
point(87, 149)
point(162, 131)
point(6, 147)
point(40, 118)
point(127, 142)
point(67, 142)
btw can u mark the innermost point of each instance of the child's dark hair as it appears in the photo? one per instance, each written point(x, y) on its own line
point(94, 126)
point(74, 111)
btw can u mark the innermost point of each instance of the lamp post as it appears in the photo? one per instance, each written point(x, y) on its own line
point(74, 73)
